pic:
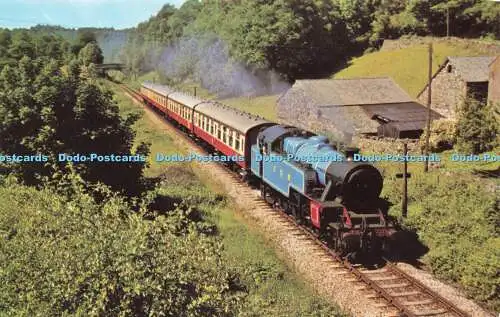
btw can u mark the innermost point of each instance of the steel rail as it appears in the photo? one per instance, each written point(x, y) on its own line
point(384, 293)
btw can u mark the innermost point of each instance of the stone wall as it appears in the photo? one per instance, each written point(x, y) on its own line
point(297, 109)
point(486, 48)
point(494, 82)
point(448, 92)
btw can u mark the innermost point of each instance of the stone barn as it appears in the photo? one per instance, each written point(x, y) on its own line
point(494, 81)
point(456, 79)
point(347, 107)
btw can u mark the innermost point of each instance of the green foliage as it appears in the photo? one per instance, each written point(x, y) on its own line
point(47, 108)
point(457, 216)
point(302, 38)
point(477, 127)
point(84, 37)
point(467, 18)
point(442, 137)
point(91, 54)
point(74, 256)
point(16, 44)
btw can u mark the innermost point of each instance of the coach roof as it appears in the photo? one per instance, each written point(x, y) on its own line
point(185, 99)
point(231, 117)
point(171, 93)
point(161, 89)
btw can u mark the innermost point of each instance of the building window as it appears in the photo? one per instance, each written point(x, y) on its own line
point(449, 68)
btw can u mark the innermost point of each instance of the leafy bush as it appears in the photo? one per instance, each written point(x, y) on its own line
point(477, 127)
point(74, 256)
point(47, 108)
point(443, 135)
point(457, 217)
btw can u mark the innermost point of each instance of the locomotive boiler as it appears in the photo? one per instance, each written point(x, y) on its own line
point(322, 187)
point(319, 185)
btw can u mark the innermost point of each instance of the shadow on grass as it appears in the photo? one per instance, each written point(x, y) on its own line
point(486, 173)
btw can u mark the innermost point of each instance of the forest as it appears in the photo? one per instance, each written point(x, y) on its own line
point(296, 38)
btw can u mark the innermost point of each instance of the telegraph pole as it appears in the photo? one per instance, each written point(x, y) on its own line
point(429, 100)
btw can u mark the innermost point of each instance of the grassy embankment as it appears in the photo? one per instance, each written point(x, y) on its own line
point(407, 66)
point(273, 289)
point(454, 208)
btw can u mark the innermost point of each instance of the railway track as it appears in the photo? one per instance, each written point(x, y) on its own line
point(398, 293)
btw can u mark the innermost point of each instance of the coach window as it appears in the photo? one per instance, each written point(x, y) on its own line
point(231, 138)
point(237, 143)
point(224, 135)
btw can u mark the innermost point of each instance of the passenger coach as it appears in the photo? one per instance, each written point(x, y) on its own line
point(229, 131)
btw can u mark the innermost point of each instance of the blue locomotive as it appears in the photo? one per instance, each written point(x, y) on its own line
point(322, 187)
point(296, 170)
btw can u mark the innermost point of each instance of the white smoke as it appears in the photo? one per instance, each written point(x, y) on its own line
point(207, 61)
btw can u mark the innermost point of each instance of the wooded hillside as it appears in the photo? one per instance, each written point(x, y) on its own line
point(299, 38)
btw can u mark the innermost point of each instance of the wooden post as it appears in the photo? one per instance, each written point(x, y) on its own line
point(405, 175)
point(404, 208)
point(195, 91)
point(429, 100)
point(447, 22)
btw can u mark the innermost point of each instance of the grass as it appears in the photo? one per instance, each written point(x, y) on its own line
point(407, 66)
point(273, 290)
point(264, 106)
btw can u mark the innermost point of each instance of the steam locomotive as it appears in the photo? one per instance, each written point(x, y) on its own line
point(301, 172)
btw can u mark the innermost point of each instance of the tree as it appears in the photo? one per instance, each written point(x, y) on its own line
point(49, 109)
point(91, 53)
point(477, 127)
point(84, 37)
point(73, 256)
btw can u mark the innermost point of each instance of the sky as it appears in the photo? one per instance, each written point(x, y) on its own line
point(118, 14)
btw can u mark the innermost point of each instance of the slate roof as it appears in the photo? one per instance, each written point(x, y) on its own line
point(358, 91)
point(405, 116)
point(472, 69)
point(351, 105)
